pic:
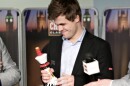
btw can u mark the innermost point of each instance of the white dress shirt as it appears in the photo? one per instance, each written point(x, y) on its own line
point(69, 54)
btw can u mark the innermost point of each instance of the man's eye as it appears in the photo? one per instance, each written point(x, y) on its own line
point(62, 24)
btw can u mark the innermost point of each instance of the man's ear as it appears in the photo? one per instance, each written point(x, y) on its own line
point(77, 18)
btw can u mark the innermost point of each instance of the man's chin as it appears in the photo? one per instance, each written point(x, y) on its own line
point(65, 37)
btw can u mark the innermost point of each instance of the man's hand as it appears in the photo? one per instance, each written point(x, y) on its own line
point(92, 84)
point(1, 64)
point(46, 76)
point(66, 80)
point(102, 82)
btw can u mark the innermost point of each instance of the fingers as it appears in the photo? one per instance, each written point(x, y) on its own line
point(46, 75)
point(51, 70)
point(1, 64)
point(66, 80)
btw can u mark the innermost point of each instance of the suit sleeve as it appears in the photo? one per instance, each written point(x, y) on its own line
point(125, 81)
point(105, 62)
point(10, 74)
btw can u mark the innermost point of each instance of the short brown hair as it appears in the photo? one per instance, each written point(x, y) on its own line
point(68, 8)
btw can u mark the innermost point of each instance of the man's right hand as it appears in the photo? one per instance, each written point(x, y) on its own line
point(1, 64)
point(46, 76)
point(100, 82)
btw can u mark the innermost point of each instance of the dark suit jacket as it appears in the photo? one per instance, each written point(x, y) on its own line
point(90, 44)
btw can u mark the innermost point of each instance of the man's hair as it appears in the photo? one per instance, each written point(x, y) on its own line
point(68, 8)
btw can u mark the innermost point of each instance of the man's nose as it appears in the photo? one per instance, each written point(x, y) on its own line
point(60, 28)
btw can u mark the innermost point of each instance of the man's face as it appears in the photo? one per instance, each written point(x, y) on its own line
point(67, 28)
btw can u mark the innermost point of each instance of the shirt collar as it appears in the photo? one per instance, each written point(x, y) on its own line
point(80, 39)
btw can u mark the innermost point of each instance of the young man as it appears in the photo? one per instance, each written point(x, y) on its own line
point(9, 73)
point(67, 52)
point(124, 81)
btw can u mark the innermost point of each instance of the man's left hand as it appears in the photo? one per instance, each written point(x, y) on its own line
point(66, 80)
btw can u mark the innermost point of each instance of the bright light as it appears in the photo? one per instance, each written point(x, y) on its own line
point(11, 20)
point(88, 19)
point(6, 20)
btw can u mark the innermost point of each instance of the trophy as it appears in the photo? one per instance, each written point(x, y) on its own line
point(44, 65)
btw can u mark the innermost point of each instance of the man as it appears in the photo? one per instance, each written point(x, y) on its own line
point(67, 52)
point(9, 75)
point(124, 81)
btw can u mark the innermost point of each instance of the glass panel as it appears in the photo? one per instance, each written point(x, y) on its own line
point(117, 24)
point(89, 16)
point(9, 31)
point(36, 27)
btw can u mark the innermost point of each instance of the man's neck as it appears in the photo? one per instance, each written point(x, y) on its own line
point(77, 35)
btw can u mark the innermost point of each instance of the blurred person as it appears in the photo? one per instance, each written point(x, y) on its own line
point(9, 73)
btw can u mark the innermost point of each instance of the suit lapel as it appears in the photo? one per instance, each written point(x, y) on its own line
point(85, 46)
point(57, 56)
